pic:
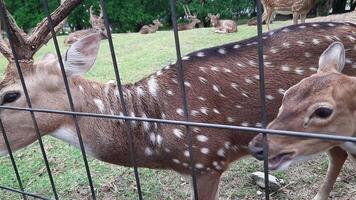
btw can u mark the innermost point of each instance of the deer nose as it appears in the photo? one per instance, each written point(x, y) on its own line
point(257, 152)
point(256, 147)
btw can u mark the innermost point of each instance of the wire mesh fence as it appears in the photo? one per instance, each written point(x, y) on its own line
point(127, 118)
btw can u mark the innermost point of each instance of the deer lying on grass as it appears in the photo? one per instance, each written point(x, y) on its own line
point(222, 26)
point(323, 102)
point(299, 8)
point(191, 25)
point(97, 24)
point(221, 83)
point(152, 28)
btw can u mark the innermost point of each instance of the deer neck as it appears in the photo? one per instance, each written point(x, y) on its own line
point(108, 142)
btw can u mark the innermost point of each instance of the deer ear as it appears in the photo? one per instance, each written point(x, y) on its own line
point(81, 56)
point(333, 58)
point(218, 15)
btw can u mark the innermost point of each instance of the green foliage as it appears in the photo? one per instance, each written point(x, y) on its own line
point(129, 15)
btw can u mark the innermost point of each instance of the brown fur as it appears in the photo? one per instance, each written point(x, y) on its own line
point(222, 26)
point(222, 87)
point(328, 89)
point(191, 25)
point(299, 8)
point(152, 28)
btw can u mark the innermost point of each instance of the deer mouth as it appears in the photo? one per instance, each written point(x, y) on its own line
point(281, 161)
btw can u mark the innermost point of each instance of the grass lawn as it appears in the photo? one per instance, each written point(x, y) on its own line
point(138, 56)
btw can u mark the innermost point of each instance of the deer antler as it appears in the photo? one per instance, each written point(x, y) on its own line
point(40, 34)
point(27, 45)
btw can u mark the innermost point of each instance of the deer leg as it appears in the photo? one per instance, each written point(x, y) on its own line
point(295, 17)
point(303, 17)
point(337, 157)
point(268, 18)
point(207, 185)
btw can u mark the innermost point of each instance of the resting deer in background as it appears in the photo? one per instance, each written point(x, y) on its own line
point(97, 24)
point(222, 26)
point(323, 102)
point(152, 28)
point(191, 25)
point(222, 87)
point(299, 8)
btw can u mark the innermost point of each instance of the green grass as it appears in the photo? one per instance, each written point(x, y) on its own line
point(138, 56)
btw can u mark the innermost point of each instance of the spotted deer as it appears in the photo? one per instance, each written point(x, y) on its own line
point(222, 26)
point(299, 8)
point(97, 25)
point(152, 28)
point(221, 84)
point(191, 25)
point(323, 102)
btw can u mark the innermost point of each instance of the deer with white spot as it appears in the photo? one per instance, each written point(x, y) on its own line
point(152, 28)
point(221, 84)
point(191, 25)
point(299, 8)
point(323, 102)
point(222, 26)
point(97, 26)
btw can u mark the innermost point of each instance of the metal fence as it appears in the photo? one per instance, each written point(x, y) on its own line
point(186, 122)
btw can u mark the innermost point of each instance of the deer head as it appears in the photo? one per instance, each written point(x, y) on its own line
point(214, 19)
point(11, 91)
point(78, 59)
point(157, 22)
point(323, 102)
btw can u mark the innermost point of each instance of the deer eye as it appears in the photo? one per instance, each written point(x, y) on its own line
point(323, 112)
point(10, 97)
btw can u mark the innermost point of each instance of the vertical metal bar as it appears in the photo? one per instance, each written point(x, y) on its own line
point(70, 98)
point(43, 151)
point(184, 96)
point(8, 147)
point(262, 96)
point(122, 100)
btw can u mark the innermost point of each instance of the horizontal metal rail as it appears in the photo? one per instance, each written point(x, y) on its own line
point(333, 136)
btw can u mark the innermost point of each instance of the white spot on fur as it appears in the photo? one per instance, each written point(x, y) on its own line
point(148, 151)
point(178, 133)
point(204, 150)
point(216, 88)
point(200, 54)
point(315, 25)
point(167, 150)
point(153, 86)
point(194, 112)
point(313, 69)
point(203, 69)
point(285, 68)
point(299, 71)
point(273, 50)
point(316, 41)
point(257, 77)
point(202, 138)
point(159, 139)
point(227, 70)
point(286, 44)
point(238, 106)
point(176, 161)
point(186, 153)
point(300, 43)
point(252, 62)
point(216, 111)
point(281, 91)
point(222, 51)
point(269, 97)
point(331, 24)
point(186, 83)
point(286, 30)
point(169, 92)
point(204, 110)
point(230, 119)
point(203, 80)
point(214, 69)
point(348, 61)
point(81, 88)
point(99, 104)
point(244, 124)
point(234, 85)
point(139, 91)
point(185, 58)
point(236, 46)
point(302, 26)
point(352, 39)
point(199, 166)
point(249, 81)
point(180, 111)
point(202, 98)
point(221, 152)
